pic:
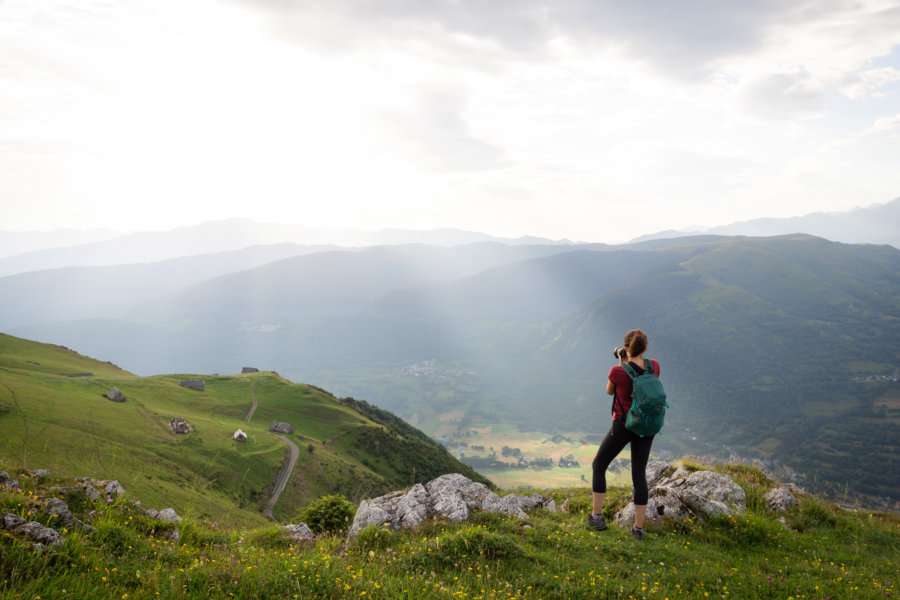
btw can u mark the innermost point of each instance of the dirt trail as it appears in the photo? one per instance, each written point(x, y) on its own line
point(283, 475)
point(252, 406)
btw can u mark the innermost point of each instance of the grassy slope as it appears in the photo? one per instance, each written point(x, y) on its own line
point(66, 424)
point(821, 551)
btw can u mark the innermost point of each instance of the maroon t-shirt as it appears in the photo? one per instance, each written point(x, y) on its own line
point(622, 398)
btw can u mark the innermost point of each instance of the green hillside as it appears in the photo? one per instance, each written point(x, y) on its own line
point(816, 550)
point(54, 420)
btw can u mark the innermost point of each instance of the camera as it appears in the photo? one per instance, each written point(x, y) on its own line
point(620, 352)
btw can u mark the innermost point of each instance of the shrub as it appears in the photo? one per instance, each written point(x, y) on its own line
point(328, 514)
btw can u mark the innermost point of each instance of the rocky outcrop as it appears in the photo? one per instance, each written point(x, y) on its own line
point(57, 509)
point(780, 499)
point(40, 536)
point(110, 487)
point(681, 493)
point(7, 482)
point(279, 427)
point(449, 497)
point(194, 384)
point(180, 426)
point(299, 532)
point(167, 514)
point(115, 395)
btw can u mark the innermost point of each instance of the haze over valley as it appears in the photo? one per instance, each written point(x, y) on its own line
point(781, 349)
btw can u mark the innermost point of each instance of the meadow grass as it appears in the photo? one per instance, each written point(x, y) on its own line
point(820, 551)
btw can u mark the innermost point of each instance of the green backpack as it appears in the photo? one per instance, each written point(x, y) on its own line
point(648, 405)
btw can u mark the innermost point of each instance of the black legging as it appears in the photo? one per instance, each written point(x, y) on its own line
point(617, 438)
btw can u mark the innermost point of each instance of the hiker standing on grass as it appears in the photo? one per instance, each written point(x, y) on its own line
point(620, 388)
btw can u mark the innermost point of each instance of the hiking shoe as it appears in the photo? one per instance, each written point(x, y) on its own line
point(637, 533)
point(598, 522)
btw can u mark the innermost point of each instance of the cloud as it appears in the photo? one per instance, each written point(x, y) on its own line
point(883, 125)
point(868, 82)
point(683, 36)
point(783, 96)
point(434, 134)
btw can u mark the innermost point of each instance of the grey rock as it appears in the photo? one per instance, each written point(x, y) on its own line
point(8, 482)
point(91, 492)
point(168, 515)
point(279, 427)
point(112, 488)
point(180, 426)
point(40, 536)
point(780, 499)
point(10, 521)
point(711, 494)
point(298, 532)
point(249, 370)
point(54, 507)
point(115, 395)
point(681, 494)
point(661, 504)
point(450, 497)
point(194, 384)
point(40, 474)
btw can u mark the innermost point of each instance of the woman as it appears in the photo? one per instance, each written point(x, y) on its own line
point(619, 387)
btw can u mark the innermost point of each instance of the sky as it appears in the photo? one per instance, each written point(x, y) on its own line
point(588, 120)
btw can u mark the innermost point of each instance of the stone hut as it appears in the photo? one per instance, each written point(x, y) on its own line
point(115, 395)
point(194, 384)
point(249, 370)
point(279, 427)
point(179, 426)
point(239, 436)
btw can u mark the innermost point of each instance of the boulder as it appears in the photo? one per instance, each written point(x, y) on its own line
point(110, 487)
point(56, 508)
point(7, 482)
point(169, 516)
point(299, 532)
point(279, 427)
point(780, 499)
point(39, 474)
point(680, 493)
point(449, 497)
point(180, 426)
point(115, 395)
point(40, 536)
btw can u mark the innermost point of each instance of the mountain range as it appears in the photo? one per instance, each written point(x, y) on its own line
point(784, 347)
point(877, 224)
point(780, 347)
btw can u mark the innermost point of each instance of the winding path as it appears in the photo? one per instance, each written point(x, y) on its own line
point(252, 406)
point(283, 475)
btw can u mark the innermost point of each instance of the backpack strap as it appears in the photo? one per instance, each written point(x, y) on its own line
point(632, 373)
point(629, 370)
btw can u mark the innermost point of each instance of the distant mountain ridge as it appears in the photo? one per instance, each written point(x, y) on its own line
point(877, 224)
point(220, 236)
